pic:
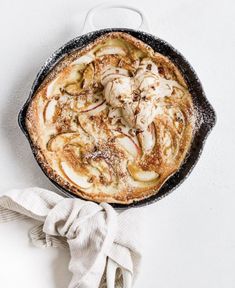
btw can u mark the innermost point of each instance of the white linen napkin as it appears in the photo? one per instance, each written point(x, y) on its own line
point(100, 240)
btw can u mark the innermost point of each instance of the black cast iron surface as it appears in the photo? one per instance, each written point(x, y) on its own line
point(206, 117)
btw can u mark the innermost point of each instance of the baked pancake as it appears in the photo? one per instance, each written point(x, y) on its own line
point(112, 121)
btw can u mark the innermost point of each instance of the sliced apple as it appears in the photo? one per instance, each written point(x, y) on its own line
point(170, 145)
point(52, 87)
point(96, 107)
point(75, 177)
point(88, 76)
point(50, 110)
point(141, 175)
point(109, 50)
point(73, 89)
point(59, 141)
point(85, 59)
point(167, 141)
point(128, 144)
point(69, 75)
point(177, 118)
point(147, 138)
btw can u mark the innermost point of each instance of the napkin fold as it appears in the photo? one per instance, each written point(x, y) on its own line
point(100, 239)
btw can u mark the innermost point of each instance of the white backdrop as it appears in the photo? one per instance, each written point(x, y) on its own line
point(192, 242)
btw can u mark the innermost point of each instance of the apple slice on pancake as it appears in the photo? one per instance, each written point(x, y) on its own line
point(78, 179)
point(141, 175)
point(128, 143)
point(147, 139)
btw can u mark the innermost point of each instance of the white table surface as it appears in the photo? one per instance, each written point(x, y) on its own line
point(190, 235)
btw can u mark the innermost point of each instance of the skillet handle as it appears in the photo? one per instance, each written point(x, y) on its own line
point(89, 24)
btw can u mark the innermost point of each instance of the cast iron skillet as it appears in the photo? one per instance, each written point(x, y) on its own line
point(206, 115)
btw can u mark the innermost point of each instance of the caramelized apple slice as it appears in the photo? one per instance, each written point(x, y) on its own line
point(49, 111)
point(176, 116)
point(88, 76)
point(85, 59)
point(78, 179)
point(73, 89)
point(96, 108)
point(51, 89)
point(141, 175)
point(70, 75)
point(109, 50)
point(147, 139)
point(59, 141)
point(168, 149)
point(128, 144)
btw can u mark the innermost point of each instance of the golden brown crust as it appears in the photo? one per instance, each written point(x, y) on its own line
point(152, 160)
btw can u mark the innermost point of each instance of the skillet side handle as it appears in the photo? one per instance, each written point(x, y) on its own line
point(89, 23)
